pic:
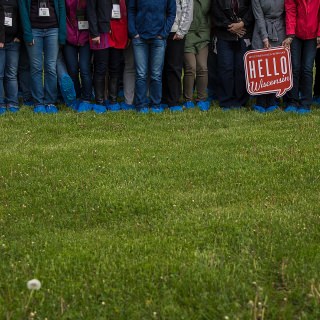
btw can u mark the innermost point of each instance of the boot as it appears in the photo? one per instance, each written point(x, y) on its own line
point(99, 84)
point(113, 90)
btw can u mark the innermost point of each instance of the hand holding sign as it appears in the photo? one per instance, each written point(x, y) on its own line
point(268, 71)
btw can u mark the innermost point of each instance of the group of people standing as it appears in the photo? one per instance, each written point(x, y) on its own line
point(89, 47)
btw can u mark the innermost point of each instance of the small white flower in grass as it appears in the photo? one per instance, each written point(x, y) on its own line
point(34, 284)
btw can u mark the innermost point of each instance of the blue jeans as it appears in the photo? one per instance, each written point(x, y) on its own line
point(79, 59)
point(303, 53)
point(43, 55)
point(9, 61)
point(24, 77)
point(232, 89)
point(149, 58)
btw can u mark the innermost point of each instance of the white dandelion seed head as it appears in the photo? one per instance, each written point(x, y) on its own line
point(34, 284)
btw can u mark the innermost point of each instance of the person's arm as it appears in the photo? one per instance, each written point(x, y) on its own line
point(132, 13)
point(248, 18)
point(291, 22)
point(260, 21)
point(291, 17)
point(220, 20)
point(25, 22)
point(92, 18)
point(170, 17)
point(186, 18)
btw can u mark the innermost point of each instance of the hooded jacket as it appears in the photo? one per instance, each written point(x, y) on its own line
point(303, 18)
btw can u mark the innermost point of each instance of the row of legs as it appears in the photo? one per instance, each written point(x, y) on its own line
point(154, 60)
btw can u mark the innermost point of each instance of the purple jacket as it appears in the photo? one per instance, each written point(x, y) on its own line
point(74, 36)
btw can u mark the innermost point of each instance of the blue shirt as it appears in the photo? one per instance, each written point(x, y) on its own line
point(151, 18)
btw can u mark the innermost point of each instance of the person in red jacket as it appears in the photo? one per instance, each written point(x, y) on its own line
point(118, 40)
point(303, 37)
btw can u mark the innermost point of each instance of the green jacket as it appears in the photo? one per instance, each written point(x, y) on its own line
point(60, 10)
point(198, 36)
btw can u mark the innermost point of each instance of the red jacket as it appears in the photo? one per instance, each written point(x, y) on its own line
point(118, 36)
point(303, 18)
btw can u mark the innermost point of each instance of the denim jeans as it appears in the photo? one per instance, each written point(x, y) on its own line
point(232, 90)
point(24, 76)
point(43, 55)
point(9, 61)
point(149, 58)
point(303, 53)
point(78, 59)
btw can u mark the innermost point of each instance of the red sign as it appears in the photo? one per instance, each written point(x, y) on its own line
point(268, 71)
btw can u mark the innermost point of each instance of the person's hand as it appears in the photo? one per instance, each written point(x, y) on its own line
point(177, 37)
point(266, 44)
point(17, 40)
point(236, 27)
point(1, 45)
point(96, 40)
point(287, 42)
point(318, 42)
point(31, 43)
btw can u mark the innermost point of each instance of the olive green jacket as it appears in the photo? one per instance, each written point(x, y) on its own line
point(198, 36)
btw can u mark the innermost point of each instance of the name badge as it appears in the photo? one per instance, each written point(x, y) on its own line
point(83, 25)
point(8, 22)
point(116, 14)
point(44, 12)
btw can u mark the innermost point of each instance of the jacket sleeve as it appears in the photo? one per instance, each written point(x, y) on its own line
point(2, 28)
point(248, 18)
point(170, 17)
point(186, 17)
point(92, 18)
point(132, 12)
point(62, 22)
point(25, 21)
point(260, 20)
point(318, 34)
point(220, 20)
point(291, 16)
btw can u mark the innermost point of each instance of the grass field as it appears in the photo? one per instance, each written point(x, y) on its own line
point(161, 216)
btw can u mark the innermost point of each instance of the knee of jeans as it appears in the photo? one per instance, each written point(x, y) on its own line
point(11, 73)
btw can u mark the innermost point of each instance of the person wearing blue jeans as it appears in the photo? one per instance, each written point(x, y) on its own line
point(302, 37)
point(233, 23)
point(44, 26)
point(9, 55)
point(79, 58)
point(149, 28)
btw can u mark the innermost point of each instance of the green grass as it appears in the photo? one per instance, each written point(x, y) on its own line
point(173, 216)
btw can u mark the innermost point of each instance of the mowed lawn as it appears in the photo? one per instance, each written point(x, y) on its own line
point(161, 216)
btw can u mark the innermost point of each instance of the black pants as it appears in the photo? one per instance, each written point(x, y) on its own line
point(115, 73)
point(172, 71)
point(316, 88)
point(266, 100)
point(100, 62)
